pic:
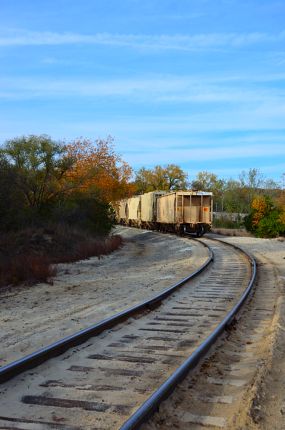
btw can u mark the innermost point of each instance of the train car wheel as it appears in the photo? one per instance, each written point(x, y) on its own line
point(200, 231)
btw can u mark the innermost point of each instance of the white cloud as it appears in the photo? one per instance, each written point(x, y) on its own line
point(162, 42)
point(157, 89)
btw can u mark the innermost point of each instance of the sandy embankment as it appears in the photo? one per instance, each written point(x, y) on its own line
point(90, 290)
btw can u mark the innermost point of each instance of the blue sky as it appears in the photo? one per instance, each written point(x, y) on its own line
point(198, 83)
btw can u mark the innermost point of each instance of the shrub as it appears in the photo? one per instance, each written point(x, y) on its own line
point(265, 219)
point(270, 225)
point(83, 213)
point(25, 268)
point(29, 256)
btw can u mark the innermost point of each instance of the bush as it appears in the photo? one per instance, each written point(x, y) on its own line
point(270, 225)
point(265, 219)
point(89, 214)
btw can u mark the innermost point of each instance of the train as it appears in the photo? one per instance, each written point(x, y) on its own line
point(174, 211)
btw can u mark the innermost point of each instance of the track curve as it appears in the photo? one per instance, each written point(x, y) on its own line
point(103, 381)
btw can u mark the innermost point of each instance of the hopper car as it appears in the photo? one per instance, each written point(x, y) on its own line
point(175, 211)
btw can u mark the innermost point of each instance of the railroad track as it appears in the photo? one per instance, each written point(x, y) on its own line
point(114, 379)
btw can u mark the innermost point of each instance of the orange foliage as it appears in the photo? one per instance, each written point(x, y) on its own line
point(98, 169)
point(260, 206)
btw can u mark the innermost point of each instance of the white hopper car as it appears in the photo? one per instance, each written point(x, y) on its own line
point(176, 211)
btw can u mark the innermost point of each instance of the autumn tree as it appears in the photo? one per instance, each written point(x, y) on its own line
point(98, 170)
point(170, 177)
point(265, 218)
point(43, 180)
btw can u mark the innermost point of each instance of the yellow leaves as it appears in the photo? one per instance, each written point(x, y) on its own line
point(260, 205)
point(282, 217)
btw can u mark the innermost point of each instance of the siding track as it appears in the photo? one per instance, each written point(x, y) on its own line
point(102, 382)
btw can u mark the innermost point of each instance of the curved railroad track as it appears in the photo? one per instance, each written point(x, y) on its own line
point(102, 383)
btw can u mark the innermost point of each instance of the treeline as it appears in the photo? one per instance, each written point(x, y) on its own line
point(258, 202)
point(229, 195)
point(43, 180)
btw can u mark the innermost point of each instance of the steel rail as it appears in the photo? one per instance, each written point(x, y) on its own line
point(32, 360)
point(150, 406)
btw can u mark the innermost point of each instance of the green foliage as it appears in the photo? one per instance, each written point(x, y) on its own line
point(270, 225)
point(207, 181)
point(87, 213)
point(39, 165)
point(235, 196)
point(11, 200)
point(170, 177)
point(37, 185)
point(264, 219)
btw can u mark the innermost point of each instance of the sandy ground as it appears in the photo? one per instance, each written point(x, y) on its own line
point(270, 400)
point(88, 291)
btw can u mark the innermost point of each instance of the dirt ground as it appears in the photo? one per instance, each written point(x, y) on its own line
point(87, 291)
point(270, 399)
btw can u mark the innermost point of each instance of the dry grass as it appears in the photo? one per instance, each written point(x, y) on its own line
point(30, 256)
point(25, 268)
point(89, 248)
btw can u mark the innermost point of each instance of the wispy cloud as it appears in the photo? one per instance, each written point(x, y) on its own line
point(157, 89)
point(162, 42)
point(209, 154)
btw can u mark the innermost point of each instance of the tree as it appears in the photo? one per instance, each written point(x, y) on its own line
point(170, 177)
point(98, 170)
point(233, 197)
point(12, 201)
point(265, 218)
point(71, 184)
point(38, 166)
point(252, 184)
point(207, 181)
point(280, 201)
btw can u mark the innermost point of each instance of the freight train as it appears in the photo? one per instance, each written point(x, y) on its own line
point(175, 211)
